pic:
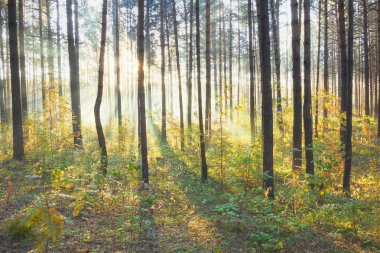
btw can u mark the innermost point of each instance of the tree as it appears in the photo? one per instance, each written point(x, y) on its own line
point(141, 93)
point(42, 54)
point(24, 100)
point(200, 114)
point(208, 69)
point(326, 67)
point(307, 107)
point(50, 46)
point(116, 39)
point(60, 89)
point(190, 81)
point(267, 113)
point(318, 70)
point(343, 70)
point(275, 15)
point(74, 77)
point(163, 88)
point(182, 129)
point(366, 58)
point(98, 102)
point(348, 139)
point(378, 66)
point(251, 72)
point(297, 100)
point(18, 137)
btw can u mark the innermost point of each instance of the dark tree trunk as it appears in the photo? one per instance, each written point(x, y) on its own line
point(318, 70)
point(275, 9)
point(59, 56)
point(297, 99)
point(18, 138)
point(326, 68)
point(182, 129)
point(98, 102)
point(24, 100)
point(190, 80)
point(116, 39)
point(366, 61)
point(350, 70)
point(208, 69)
point(42, 54)
point(343, 71)
point(267, 113)
point(141, 92)
point(307, 107)
point(74, 77)
point(251, 72)
point(50, 53)
point(200, 114)
point(163, 88)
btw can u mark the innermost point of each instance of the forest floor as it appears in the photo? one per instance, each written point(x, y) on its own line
point(57, 201)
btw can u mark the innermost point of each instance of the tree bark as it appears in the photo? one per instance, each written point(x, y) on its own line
point(42, 54)
point(18, 137)
point(267, 113)
point(24, 100)
point(98, 102)
point(251, 72)
point(297, 100)
point(59, 56)
point(326, 68)
point(74, 78)
point(116, 37)
point(141, 92)
point(190, 80)
point(318, 71)
point(200, 114)
point(163, 88)
point(50, 53)
point(366, 61)
point(208, 69)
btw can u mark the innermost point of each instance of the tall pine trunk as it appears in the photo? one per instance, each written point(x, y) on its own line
point(98, 102)
point(116, 39)
point(190, 80)
point(163, 88)
point(200, 113)
point(141, 93)
point(366, 60)
point(251, 72)
point(208, 68)
point(267, 113)
point(24, 100)
point(18, 137)
point(318, 71)
point(297, 100)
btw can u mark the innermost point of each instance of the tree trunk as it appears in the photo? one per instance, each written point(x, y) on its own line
point(307, 109)
point(18, 138)
point(190, 81)
point(141, 92)
point(378, 68)
point(116, 37)
point(42, 54)
point(24, 100)
point(230, 41)
point(50, 53)
point(318, 70)
point(350, 64)
point(98, 122)
point(267, 113)
point(208, 69)
point(343, 71)
point(326, 69)
point(275, 9)
point(200, 114)
point(297, 100)
point(74, 78)
point(60, 84)
point(163, 88)
point(366, 61)
point(251, 72)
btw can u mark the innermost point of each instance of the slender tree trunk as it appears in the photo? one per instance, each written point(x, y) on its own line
point(59, 56)
point(378, 68)
point(251, 72)
point(275, 9)
point(350, 64)
point(98, 122)
point(297, 100)
point(74, 78)
point(18, 137)
point(141, 92)
point(326, 68)
point(230, 87)
point(307, 109)
point(208, 69)
point(163, 88)
point(318, 70)
point(24, 100)
point(50, 52)
point(149, 52)
point(116, 28)
point(200, 114)
point(267, 113)
point(343, 70)
point(42, 54)
point(182, 130)
point(366, 61)
point(190, 80)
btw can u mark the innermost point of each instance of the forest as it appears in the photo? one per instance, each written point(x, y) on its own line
point(189, 126)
